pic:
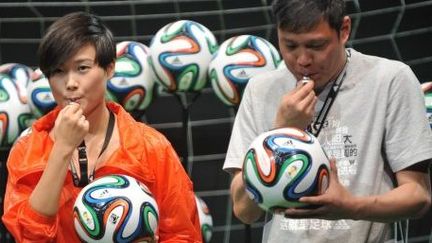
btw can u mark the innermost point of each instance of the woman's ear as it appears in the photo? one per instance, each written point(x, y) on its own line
point(110, 70)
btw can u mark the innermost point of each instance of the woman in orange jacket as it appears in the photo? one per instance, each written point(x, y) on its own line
point(77, 56)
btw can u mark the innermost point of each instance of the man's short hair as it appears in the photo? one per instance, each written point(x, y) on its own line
point(299, 16)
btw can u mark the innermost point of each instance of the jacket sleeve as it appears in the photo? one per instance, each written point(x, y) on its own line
point(178, 217)
point(25, 224)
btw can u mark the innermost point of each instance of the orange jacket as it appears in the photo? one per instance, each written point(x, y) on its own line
point(144, 154)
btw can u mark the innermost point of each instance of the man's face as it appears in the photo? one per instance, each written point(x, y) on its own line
point(318, 53)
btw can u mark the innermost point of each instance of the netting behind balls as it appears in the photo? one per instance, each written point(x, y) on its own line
point(394, 29)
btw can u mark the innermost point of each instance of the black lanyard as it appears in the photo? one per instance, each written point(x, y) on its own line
point(82, 157)
point(318, 123)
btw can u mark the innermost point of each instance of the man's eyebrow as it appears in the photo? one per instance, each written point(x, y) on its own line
point(318, 41)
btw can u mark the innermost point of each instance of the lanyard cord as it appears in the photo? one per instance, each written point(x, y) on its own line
point(318, 122)
point(82, 157)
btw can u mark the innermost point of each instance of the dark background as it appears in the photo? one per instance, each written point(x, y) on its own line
point(385, 28)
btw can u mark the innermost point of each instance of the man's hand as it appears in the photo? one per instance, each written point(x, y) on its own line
point(426, 87)
point(336, 203)
point(297, 107)
point(244, 208)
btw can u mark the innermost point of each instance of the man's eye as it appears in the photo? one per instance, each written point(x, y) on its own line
point(290, 47)
point(317, 46)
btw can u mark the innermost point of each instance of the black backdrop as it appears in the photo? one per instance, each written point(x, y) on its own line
point(394, 29)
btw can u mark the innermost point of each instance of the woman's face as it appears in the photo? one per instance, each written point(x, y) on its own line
point(80, 79)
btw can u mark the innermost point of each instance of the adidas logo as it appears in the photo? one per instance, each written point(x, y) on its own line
point(176, 61)
point(243, 74)
point(47, 97)
point(123, 82)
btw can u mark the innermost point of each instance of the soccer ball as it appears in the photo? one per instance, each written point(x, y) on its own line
point(133, 80)
point(116, 208)
point(237, 60)
point(40, 97)
point(205, 218)
point(15, 116)
point(281, 65)
point(283, 165)
point(428, 100)
point(180, 55)
point(20, 75)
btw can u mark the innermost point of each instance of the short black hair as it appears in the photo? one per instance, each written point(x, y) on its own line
point(300, 16)
point(71, 32)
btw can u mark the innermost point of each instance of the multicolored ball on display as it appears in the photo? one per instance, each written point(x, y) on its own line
point(205, 218)
point(21, 75)
point(40, 97)
point(133, 80)
point(427, 89)
point(180, 55)
point(237, 60)
point(281, 65)
point(116, 208)
point(283, 165)
point(15, 114)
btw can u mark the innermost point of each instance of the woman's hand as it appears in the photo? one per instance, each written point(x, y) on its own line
point(70, 126)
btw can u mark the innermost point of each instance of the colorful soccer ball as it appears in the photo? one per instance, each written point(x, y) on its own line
point(281, 65)
point(180, 55)
point(116, 208)
point(427, 89)
point(133, 80)
point(40, 97)
point(15, 116)
point(205, 218)
point(283, 165)
point(21, 75)
point(237, 60)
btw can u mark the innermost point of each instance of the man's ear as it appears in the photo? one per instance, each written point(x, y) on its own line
point(345, 29)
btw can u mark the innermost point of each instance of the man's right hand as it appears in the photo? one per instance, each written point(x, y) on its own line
point(297, 107)
point(244, 208)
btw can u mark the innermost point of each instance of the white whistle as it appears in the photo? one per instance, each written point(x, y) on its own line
point(305, 80)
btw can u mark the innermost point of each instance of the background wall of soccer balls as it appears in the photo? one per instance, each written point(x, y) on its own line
point(196, 112)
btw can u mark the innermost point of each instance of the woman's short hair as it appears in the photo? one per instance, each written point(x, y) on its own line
point(70, 33)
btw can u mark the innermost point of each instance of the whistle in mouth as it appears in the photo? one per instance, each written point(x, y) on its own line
point(305, 80)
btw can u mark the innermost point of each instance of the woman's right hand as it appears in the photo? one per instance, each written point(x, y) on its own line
point(70, 126)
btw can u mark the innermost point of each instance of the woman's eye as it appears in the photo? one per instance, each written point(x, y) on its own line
point(83, 68)
point(56, 71)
